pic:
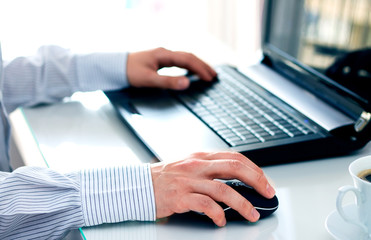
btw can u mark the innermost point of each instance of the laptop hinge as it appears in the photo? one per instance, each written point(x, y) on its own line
point(362, 121)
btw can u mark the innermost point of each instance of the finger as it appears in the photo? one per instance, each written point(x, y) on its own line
point(221, 192)
point(169, 82)
point(186, 60)
point(204, 204)
point(231, 169)
point(226, 155)
point(195, 65)
point(235, 156)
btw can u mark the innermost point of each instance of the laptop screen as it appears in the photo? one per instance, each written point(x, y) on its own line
point(333, 37)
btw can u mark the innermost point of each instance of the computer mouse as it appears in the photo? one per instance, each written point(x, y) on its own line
point(263, 205)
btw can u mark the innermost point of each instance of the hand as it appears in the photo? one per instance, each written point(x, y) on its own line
point(142, 68)
point(189, 185)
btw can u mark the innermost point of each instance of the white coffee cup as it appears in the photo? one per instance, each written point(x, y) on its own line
point(362, 191)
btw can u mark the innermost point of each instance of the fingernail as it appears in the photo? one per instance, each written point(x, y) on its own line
point(270, 190)
point(255, 214)
point(223, 223)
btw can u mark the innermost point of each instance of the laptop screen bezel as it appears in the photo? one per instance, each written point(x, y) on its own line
point(325, 87)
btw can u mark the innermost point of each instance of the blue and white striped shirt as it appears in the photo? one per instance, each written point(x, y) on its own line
point(40, 203)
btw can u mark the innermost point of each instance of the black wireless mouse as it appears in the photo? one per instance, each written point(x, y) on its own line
point(263, 205)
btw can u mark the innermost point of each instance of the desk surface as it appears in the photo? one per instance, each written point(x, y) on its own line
point(86, 132)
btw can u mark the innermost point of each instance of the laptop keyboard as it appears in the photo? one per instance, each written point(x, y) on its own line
point(239, 115)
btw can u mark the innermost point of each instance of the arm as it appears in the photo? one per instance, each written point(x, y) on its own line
point(55, 73)
point(43, 204)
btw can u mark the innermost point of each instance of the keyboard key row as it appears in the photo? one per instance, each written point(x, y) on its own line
point(241, 118)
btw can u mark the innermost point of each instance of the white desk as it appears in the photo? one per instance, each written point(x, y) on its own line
point(86, 132)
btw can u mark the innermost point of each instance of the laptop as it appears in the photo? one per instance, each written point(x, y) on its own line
point(308, 96)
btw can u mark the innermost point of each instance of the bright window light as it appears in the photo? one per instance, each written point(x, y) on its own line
point(204, 27)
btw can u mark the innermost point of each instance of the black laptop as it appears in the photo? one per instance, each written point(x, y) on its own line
point(308, 97)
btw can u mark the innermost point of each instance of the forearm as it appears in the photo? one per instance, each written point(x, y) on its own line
point(126, 193)
point(55, 73)
point(43, 204)
point(37, 202)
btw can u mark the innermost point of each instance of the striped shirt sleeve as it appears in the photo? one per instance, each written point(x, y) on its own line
point(54, 73)
point(126, 193)
point(39, 203)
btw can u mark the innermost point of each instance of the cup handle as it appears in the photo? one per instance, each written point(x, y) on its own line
point(339, 205)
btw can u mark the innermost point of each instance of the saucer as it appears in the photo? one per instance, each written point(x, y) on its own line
point(342, 230)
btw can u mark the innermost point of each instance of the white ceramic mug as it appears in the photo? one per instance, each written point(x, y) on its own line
point(362, 191)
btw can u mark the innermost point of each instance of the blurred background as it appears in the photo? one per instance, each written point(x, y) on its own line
point(219, 30)
point(317, 31)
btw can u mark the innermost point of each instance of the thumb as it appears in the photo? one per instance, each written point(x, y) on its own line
point(171, 82)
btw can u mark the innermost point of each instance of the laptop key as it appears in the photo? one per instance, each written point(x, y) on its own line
point(275, 137)
point(243, 142)
point(240, 116)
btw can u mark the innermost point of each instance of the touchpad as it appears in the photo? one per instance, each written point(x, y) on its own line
point(156, 107)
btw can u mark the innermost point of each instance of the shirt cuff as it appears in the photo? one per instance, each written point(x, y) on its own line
point(101, 71)
point(117, 194)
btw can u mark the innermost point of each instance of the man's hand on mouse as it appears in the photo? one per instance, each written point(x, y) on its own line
point(142, 68)
point(189, 185)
